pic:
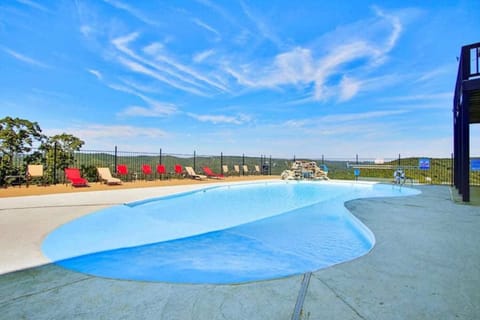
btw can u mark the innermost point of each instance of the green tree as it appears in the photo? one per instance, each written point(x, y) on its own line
point(16, 137)
point(60, 152)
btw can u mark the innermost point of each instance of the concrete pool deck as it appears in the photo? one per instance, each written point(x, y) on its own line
point(425, 265)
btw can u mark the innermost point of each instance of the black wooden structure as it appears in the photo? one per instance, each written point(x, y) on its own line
point(466, 110)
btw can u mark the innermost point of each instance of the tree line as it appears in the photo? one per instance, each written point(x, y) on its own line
point(21, 137)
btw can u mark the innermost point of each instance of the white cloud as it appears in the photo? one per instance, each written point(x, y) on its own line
point(166, 69)
point(201, 56)
point(86, 30)
point(139, 68)
point(435, 73)
point(153, 48)
point(92, 132)
point(262, 26)
point(132, 11)
point(354, 117)
point(300, 65)
point(215, 119)
point(348, 88)
point(25, 59)
point(420, 97)
point(396, 28)
point(157, 109)
point(34, 5)
point(208, 27)
point(96, 73)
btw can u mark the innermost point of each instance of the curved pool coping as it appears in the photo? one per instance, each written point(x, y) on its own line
point(361, 227)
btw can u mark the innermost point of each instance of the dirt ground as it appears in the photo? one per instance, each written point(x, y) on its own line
point(19, 191)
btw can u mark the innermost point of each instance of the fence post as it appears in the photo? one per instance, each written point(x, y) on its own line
point(115, 160)
point(356, 158)
point(243, 163)
point(399, 159)
point(194, 160)
point(262, 162)
point(323, 160)
point(55, 163)
point(221, 162)
point(270, 166)
point(160, 157)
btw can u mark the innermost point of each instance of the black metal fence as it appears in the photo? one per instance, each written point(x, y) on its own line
point(438, 170)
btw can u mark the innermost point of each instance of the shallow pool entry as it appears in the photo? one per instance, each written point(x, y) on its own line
point(220, 235)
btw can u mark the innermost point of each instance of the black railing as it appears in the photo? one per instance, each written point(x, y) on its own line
point(438, 171)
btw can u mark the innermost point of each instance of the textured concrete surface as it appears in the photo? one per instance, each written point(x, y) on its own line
point(425, 265)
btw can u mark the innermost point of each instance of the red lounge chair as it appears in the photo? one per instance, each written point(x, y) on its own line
point(161, 170)
point(122, 170)
point(211, 174)
point(73, 175)
point(147, 170)
point(178, 170)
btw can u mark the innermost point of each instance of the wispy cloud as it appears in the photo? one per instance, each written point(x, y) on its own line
point(348, 88)
point(132, 11)
point(155, 108)
point(346, 119)
point(93, 132)
point(96, 73)
point(34, 5)
point(86, 30)
point(179, 76)
point(25, 59)
point(216, 119)
point(261, 25)
point(420, 97)
point(208, 27)
point(396, 28)
point(435, 73)
point(303, 66)
point(201, 56)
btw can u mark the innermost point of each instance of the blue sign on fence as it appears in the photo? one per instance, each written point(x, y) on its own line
point(356, 172)
point(475, 164)
point(424, 164)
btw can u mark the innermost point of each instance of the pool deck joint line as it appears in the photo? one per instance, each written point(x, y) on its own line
point(297, 312)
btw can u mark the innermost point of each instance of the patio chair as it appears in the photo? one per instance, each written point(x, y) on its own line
point(73, 175)
point(236, 169)
point(106, 176)
point(178, 170)
point(245, 170)
point(147, 171)
point(35, 171)
point(162, 171)
point(225, 170)
point(122, 171)
point(191, 173)
point(211, 174)
point(257, 169)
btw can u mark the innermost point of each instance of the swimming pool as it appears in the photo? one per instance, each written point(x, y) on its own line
point(222, 234)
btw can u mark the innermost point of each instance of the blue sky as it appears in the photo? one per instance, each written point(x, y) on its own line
point(279, 78)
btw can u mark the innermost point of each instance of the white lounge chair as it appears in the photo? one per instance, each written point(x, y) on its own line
point(236, 168)
point(106, 176)
point(225, 169)
point(191, 173)
point(35, 171)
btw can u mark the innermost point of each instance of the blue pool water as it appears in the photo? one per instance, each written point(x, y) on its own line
point(228, 234)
